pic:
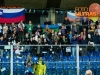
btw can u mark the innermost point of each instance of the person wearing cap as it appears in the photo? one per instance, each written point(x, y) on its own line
point(88, 72)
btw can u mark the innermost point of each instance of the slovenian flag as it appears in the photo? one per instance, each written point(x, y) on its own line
point(12, 15)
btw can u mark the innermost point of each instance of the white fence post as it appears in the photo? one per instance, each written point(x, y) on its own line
point(11, 61)
point(77, 55)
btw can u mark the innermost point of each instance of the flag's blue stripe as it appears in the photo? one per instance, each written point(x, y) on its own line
point(12, 15)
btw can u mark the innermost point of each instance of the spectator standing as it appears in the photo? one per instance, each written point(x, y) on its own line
point(75, 30)
point(80, 37)
point(39, 29)
point(0, 29)
point(85, 22)
point(21, 24)
point(96, 40)
point(98, 21)
point(47, 22)
point(26, 39)
point(70, 36)
point(5, 28)
point(67, 23)
point(29, 65)
point(98, 29)
point(74, 42)
point(63, 30)
point(5, 38)
point(84, 41)
point(30, 28)
point(21, 34)
point(2, 42)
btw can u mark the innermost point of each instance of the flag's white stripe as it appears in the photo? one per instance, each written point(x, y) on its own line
point(73, 14)
point(12, 10)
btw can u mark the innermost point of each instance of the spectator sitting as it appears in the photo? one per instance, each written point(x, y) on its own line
point(47, 22)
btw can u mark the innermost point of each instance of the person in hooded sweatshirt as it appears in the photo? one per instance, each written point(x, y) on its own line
point(2, 42)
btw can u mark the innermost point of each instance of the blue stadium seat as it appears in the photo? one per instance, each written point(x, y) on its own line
point(67, 67)
point(5, 64)
point(80, 59)
point(50, 58)
point(83, 67)
point(43, 59)
point(59, 68)
point(92, 58)
point(51, 68)
point(72, 58)
point(85, 58)
point(20, 66)
point(34, 59)
point(98, 58)
point(64, 58)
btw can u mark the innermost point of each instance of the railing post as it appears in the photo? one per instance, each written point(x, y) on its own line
point(11, 61)
point(77, 55)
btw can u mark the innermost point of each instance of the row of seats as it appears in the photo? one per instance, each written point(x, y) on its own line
point(58, 67)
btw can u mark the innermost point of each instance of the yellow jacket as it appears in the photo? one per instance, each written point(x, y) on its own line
point(40, 68)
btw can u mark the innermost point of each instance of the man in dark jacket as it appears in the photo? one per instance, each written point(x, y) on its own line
point(2, 42)
point(84, 41)
point(67, 23)
point(96, 40)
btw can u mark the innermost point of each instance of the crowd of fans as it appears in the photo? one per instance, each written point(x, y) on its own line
point(81, 31)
